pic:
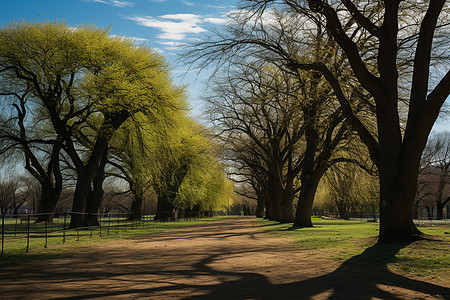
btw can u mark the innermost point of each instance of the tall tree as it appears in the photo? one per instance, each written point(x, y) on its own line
point(84, 79)
point(395, 28)
point(435, 172)
point(276, 39)
point(39, 148)
point(257, 111)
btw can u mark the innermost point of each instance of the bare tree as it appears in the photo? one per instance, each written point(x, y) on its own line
point(397, 30)
point(434, 177)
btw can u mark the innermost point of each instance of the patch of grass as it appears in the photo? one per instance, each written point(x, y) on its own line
point(342, 240)
point(80, 240)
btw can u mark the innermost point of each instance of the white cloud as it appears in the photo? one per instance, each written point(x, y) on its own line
point(172, 45)
point(215, 20)
point(173, 27)
point(113, 2)
point(176, 26)
point(216, 6)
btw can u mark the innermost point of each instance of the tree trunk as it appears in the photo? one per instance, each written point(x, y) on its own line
point(288, 198)
point(304, 206)
point(85, 179)
point(306, 197)
point(343, 209)
point(398, 188)
point(80, 196)
point(269, 208)
point(136, 205)
point(165, 210)
point(95, 196)
point(260, 208)
point(47, 203)
point(439, 203)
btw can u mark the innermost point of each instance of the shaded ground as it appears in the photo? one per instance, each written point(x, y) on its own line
point(228, 259)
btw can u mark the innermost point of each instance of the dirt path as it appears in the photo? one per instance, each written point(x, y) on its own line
point(228, 259)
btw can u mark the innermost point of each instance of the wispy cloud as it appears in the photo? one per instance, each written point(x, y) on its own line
point(113, 2)
point(216, 6)
point(172, 45)
point(215, 20)
point(187, 3)
point(175, 26)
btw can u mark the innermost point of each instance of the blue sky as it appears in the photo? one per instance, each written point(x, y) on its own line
point(161, 24)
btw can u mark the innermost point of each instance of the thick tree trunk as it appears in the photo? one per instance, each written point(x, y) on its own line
point(440, 205)
point(287, 211)
point(47, 203)
point(269, 208)
point(95, 196)
point(136, 205)
point(165, 210)
point(80, 196)
point(304, 206)
point(398, 188)
point(310, 182)
point(260, 208)
point(85, 179)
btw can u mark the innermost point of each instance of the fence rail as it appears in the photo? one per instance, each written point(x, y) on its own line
point(24, 227)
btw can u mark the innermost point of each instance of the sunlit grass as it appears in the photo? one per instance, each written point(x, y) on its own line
point(341, 240)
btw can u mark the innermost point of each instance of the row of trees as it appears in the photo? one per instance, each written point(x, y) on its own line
point(314, 84)
point(79, 105)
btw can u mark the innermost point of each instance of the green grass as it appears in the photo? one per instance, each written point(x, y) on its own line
point(78, 240)
point(341, 240)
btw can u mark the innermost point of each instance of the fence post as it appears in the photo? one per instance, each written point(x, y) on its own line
point(100, 224)
point(15, 227)
point(117, 228)
point(28, 233)
point(3, 233)
point(64, 228)
point(109, 222)
point(46, 242)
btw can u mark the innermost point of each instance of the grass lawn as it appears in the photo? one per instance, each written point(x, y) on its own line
point(341, 240)
point(77, 240)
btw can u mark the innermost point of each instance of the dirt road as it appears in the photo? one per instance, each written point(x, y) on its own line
point(227, 259)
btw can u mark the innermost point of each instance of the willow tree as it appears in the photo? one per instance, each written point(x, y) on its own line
point(89, 84)
point(204, 187)
point(185, 170)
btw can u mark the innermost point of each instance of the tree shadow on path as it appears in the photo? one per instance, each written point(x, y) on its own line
point(364, 276)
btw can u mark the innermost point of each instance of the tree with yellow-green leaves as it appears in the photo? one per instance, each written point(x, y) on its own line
point(86, 84)
point(177, 162)
point(188, 175)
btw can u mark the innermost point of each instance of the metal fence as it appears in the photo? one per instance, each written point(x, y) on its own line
point(25, 228)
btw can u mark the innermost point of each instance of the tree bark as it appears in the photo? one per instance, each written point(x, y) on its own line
point(136, 205)
point(165, 209)
point(398, 187)
point(47, 203)
point(95, 197)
